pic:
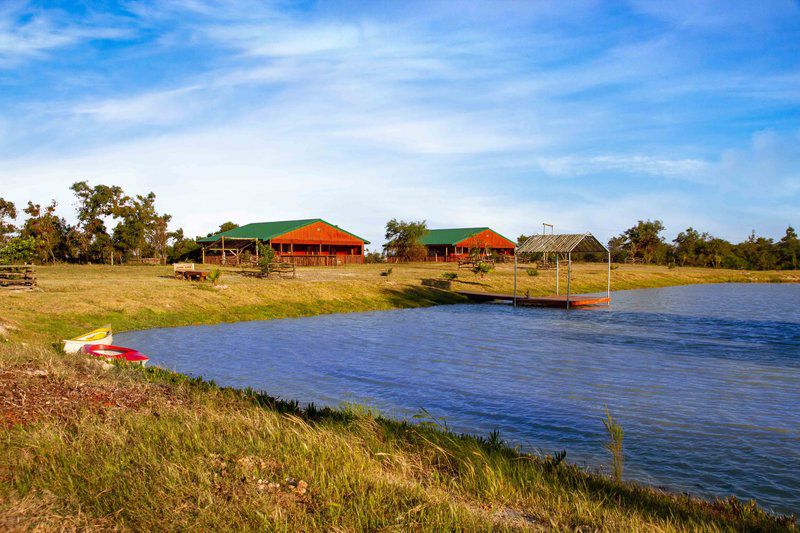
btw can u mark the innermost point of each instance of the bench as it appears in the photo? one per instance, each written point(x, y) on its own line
point(189, 272)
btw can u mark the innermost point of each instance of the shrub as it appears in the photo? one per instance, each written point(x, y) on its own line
point(386, 273)
point(374, 257)
point(482, 269)
point(18, 250)
point(266, 256)
point(532, 271)
point(450, 275)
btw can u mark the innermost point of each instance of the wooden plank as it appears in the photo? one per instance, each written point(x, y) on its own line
point(576, 300)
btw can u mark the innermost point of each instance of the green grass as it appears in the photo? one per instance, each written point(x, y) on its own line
point(159, 450)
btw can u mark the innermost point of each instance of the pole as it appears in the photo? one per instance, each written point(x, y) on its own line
point(569, 275)
point(556, 273)
point(515, 277)
point(608, 291)
point(223, 251)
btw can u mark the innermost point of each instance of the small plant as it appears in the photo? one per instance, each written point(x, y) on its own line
point(532, 272)
point(450, 275)
point(614, 445)
point(388, 272)
point(481, 269)
point(553, 461)
point(494, 442)
point(215, 276)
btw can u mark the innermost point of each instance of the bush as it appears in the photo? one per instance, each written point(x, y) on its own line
point(386, 273)
point(532, 271)
point(215, 276)
point(450, 275)
point(374, 257)
point(482, 269)
point(266, 256)
point(18, 250)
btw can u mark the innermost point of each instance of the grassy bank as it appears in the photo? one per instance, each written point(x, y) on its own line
point(84, 446)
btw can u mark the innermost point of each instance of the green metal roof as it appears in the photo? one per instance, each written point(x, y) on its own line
point(452, 236)
point(266, 231)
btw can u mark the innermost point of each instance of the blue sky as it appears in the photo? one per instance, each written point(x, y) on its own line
point(588, 115)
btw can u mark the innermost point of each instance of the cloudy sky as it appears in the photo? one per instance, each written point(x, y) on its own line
point(588, 115)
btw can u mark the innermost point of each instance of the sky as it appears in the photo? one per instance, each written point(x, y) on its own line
point(587, 115)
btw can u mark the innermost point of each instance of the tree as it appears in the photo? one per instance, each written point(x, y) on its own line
point(789, 249)
point(47, 228)
point(7, 211)
point(158, 235)
point(644, 240)
point(181, 246)
point(225, 226)
point(403, 239)
point(94, 205)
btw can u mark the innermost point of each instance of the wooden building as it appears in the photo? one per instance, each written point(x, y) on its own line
point(456, 243)
point(302, 242)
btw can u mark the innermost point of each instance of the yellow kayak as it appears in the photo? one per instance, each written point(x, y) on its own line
point(96, 336)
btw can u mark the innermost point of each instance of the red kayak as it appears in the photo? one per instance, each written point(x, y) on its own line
point(116, 352)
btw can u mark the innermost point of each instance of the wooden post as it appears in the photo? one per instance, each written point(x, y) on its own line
point(203, 253)
point(223, 250)
point(556, 273)
point(608, 291)
point(257, 247)
point(515, 277)
point(569, 275)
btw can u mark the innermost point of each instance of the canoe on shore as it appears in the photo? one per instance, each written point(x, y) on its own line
point(97, 336)
point(119, 353)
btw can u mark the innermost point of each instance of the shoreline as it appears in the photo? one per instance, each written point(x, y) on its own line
point(459, 481)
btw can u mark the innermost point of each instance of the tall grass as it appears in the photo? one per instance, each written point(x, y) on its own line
point(614, 444)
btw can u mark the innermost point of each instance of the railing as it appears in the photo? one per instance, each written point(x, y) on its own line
point(299, 260)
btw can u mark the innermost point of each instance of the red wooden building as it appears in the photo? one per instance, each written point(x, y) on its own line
point(302, 242)
point(457, 243)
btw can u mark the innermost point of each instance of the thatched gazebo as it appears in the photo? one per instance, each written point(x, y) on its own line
point(563, 246)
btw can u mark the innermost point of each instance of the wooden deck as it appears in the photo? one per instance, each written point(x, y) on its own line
point(575, 300)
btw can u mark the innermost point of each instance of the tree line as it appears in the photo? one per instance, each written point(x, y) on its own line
point(112, 227)
point(644, 243)
point(139, 231)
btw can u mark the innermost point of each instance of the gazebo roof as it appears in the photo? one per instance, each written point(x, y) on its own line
point(562, 243)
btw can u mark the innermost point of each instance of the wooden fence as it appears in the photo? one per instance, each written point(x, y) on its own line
point(17, 277)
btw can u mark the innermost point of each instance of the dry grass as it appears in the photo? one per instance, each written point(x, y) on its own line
point(85, 447)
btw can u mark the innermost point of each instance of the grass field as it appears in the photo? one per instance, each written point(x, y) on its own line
point(83, 446)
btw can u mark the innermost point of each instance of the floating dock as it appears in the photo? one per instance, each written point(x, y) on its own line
point(575, 300)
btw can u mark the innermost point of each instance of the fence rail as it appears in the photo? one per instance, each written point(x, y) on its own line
point(17, 277)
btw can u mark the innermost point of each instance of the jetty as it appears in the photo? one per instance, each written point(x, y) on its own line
point(562, 246)
point(575, 300)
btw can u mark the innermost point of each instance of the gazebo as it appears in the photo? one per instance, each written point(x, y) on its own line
point(564, 245)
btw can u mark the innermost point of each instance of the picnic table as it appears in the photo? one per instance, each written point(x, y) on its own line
point(188, 271)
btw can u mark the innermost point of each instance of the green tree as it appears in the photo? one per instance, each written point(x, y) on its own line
point(789, 249)
point(7, 211)
point(181, 246)
point(687, 245)
point(95, 204)
point(225, 226)
point(403, 240)
point(47, 228)
point(644, 240)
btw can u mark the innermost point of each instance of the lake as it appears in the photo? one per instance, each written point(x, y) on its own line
point(704, 379)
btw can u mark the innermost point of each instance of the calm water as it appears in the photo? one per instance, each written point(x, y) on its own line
point(705, 379)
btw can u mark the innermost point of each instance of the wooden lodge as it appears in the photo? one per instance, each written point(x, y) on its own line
point(446, 245)
point(309, 242)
